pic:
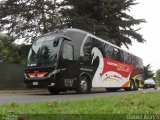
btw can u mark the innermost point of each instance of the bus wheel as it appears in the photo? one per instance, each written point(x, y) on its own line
point(155, 87)
point(136, 86)
point(132, 87)
point(53, 91)
point(83, 85)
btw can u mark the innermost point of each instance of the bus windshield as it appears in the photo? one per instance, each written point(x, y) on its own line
point(44, 52)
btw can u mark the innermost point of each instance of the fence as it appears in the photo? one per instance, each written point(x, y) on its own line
point(11, 76)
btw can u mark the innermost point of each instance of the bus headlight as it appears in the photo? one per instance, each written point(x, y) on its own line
point(25, 75)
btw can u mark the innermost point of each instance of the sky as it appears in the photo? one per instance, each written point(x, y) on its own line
point(150, 50)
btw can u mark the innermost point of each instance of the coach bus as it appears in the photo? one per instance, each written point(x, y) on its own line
point(73, 59)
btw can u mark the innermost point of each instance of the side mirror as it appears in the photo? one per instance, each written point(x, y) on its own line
point(55, 43)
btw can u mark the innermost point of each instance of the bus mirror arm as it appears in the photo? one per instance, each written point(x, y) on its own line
point(67, 38)
point(64, 37)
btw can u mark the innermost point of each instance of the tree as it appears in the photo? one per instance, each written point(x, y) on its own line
point(29, 18)
point(9, 52)
point(158, 75)
point(148, 73)
point(105, 18)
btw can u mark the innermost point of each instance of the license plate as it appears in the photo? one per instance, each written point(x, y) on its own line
point(35, 83)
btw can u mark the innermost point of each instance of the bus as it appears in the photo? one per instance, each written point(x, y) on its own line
point(73, 59)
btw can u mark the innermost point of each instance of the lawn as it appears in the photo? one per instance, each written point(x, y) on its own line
point(140, 103)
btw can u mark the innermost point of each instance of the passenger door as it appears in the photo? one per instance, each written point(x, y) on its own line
point(67, 63)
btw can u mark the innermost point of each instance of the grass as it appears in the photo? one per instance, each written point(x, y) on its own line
point(140, 103)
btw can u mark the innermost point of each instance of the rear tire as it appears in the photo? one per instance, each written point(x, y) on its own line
point(53, 91)
point(132, 86)
point(83, 85)
point(136, 86)
point(155, 87)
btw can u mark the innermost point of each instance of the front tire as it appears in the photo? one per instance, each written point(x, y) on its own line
point(83, 85)
point(53, 91)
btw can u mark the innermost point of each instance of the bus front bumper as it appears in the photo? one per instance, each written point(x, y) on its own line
point(40, 83)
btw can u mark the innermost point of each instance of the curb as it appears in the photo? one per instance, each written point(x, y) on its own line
point(21, 91)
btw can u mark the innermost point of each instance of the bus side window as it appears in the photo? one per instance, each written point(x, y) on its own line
point(125, 56)
point(114, 53)
point(67, 53)
point(134, 60)
point(129, 59)
point(108, 51)
point(121, 56)
point(88, 46)
point(138, 63)
point(111, 52)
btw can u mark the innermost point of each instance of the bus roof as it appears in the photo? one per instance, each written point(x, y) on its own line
point(88, 34)
point(100, 39)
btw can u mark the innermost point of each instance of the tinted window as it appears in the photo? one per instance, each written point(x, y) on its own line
point(140, 62)
point(108, 51)
point(134, 60)
point(43, 53)
point(121, 56)
point(88, 46)
point(129, 59)
point(97, 43)
point(125, 57)
point(39, 40)
point(115, 54)
point(137, 62)
point(67, 53)
point(49, 53)
point(111, 52)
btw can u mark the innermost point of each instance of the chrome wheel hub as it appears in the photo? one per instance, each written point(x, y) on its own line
point(83, 85)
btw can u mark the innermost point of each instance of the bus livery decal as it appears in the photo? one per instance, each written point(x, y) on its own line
point(110, 71)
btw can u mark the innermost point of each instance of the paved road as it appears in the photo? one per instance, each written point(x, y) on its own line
point(45, 96)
